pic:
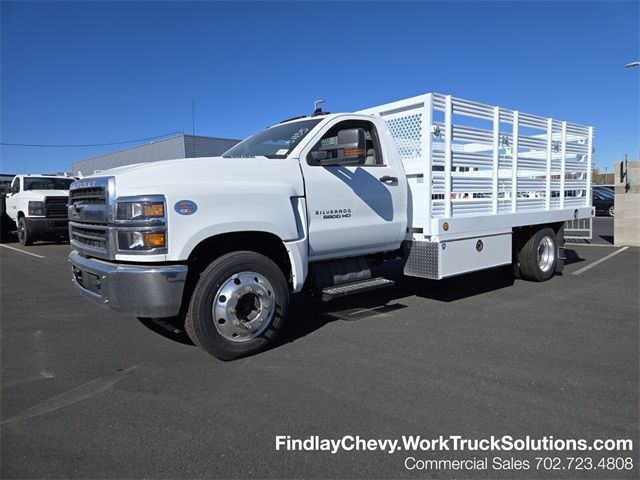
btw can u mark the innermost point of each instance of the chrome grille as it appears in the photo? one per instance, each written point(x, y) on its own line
point(91, 215)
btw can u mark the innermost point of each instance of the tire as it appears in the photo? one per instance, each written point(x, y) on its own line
point(538, 257)
point(25, 237)
point(238, 306)
point(611, 211)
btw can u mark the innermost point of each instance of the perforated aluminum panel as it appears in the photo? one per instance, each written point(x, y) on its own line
point(423, 260)
point(406, 130)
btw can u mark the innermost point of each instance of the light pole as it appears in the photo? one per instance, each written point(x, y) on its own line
point(623, 173)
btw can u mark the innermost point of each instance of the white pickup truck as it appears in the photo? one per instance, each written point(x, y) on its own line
point(313, 202)
point(37, 203)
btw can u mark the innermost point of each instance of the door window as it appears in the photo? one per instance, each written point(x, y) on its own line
point(351, 142)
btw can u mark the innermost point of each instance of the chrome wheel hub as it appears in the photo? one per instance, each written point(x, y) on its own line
point(546, 253)
point(243, 306)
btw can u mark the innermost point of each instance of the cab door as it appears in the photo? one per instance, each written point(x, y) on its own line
point(356, 200)
point(11, 201)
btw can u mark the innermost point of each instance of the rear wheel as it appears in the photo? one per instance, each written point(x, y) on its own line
point(538, 257)
point(25, 236)
point(239, 306)
point(611, 211)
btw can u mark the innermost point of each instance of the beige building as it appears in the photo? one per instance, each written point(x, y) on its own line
point(626, 224)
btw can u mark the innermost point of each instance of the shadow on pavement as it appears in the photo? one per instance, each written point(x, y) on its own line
point(171, 328)
point(571, 256)
point(307, 313)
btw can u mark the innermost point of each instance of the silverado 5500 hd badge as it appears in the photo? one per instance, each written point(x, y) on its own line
point(331, 214)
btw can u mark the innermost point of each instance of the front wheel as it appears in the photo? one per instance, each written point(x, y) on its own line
point(538, 257)
point(611, 211)
point(239, 305)
point(25, 236)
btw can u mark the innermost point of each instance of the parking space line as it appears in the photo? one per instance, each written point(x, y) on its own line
point(22, 251)
point(575, 244)
point(597, 262)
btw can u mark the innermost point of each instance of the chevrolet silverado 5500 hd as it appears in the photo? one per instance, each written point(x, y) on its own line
point(448, 185)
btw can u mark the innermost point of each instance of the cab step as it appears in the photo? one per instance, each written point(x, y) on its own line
point(337, 291)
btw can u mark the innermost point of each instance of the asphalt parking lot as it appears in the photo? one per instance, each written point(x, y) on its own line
point(88, 393)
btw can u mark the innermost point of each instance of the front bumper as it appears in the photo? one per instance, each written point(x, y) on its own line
point(142, 291)
point(58, 226)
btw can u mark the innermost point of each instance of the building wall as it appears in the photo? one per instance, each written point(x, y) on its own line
point(626, 223)
point(199, 146)
point(180, 146)
point(160, 150)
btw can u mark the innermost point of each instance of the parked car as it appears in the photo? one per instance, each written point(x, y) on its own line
point(603, 202)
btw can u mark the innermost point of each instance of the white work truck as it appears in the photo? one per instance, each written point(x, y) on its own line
point(37, 204)
point(448, 185)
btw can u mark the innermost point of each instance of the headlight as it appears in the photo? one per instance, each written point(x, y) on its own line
point(36, 208)
point(141, 224)
point(141, 240)
point(144, 209)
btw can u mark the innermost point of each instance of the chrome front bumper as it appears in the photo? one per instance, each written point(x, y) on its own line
point(143, 291)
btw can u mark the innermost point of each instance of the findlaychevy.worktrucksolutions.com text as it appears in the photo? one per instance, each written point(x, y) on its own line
point(456, 443)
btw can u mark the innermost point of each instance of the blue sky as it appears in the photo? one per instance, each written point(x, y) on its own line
point(87, 72)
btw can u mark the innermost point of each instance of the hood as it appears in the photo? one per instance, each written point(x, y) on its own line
point(207, 174)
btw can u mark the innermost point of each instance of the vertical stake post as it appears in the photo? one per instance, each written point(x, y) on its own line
point(496, 159)
point(427, 161)
point(448, 137)
point(563, 161)
point(547, 190)
point(514, 163)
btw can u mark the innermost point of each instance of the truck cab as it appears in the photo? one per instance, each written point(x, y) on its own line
point(37, 204)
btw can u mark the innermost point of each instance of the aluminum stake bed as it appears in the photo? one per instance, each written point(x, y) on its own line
point(466, 180)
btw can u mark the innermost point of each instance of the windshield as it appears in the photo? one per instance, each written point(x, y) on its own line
point(274, 142)
point(47, 183)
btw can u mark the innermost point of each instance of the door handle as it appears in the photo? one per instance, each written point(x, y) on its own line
point(388, 179)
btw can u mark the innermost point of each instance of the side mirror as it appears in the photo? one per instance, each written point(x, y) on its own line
point(350, 139)
point(13, 190)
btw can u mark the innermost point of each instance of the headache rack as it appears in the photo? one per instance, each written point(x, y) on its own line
point(473, 167)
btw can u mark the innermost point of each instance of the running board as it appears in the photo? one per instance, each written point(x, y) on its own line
point(331, 293)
